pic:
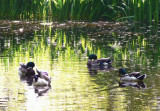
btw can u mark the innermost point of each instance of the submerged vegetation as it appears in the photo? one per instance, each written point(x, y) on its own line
point(90, 10)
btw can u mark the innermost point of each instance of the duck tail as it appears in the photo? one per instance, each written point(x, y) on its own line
point(110, 60)
point(141, 77)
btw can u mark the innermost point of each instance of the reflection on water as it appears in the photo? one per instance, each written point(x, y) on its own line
point(137, 84)
point(62, 51)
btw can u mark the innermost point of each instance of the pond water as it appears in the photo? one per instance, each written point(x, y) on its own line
point(62, 49)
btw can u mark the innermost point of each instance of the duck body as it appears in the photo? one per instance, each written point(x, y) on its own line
point(93, 61)
point(39, 81)
point(128, 78)
point(26, 69)
point(42, 79)
point(135, 76)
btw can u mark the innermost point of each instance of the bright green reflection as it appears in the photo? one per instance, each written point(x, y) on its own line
point(63, 53)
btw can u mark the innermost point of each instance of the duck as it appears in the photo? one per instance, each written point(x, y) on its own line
point(26, 69)
point(93, 61)
point(134, 76)
point(41, 79)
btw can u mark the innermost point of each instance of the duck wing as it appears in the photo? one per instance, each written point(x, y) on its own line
point(141, 77)
point(44, 75)
point(103, 59)
point(135, 74)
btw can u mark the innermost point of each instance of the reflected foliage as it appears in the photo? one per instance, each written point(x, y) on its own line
point(121, 43)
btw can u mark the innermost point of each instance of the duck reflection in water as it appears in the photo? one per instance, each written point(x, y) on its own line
point(136, 84)
point(94, 70)
point(41, 91)
point(102, 64)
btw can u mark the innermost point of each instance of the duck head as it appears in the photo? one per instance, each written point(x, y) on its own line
point(122, 71)
point(30, 64)
point(92, 56)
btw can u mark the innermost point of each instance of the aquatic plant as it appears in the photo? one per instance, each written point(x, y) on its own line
point(90, 10)
point(143, 10)
point(62, 9)
point(22, 9)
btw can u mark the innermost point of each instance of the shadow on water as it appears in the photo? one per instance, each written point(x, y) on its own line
point(62, 49)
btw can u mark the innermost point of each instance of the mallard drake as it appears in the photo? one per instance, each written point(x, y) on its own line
point(42, 79)
point(134, 76)
point(93, 61)
point(26, 69)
